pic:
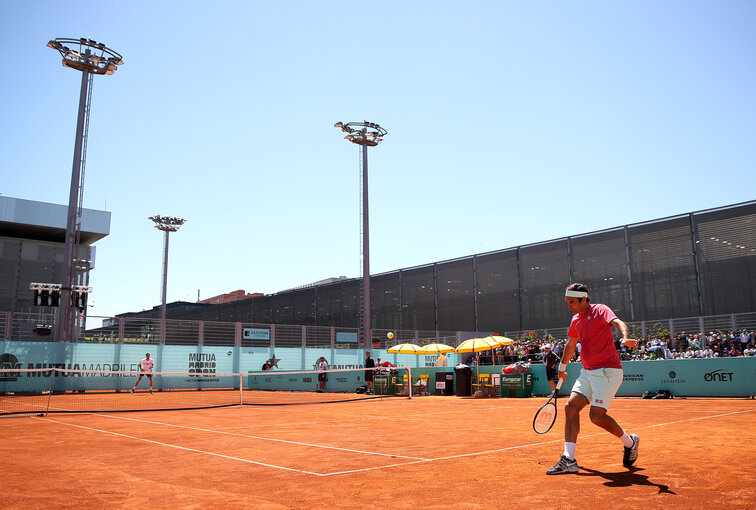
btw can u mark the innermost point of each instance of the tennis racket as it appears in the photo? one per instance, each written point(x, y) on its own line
point(546, 415)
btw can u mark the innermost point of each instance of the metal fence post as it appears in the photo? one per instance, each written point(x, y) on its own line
point(8, 325)
point(272, 347)
point(162, 331)
point(304, 348)
point(121, 329)
point(237, 334)
point(236, 360)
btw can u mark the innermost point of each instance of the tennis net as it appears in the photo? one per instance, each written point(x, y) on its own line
point(61, 390)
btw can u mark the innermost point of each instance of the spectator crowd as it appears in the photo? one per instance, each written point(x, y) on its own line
point(717, 344)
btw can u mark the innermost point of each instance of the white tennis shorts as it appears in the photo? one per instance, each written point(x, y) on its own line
point(599, 386)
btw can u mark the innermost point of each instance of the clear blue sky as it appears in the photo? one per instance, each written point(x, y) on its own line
point(508, 123)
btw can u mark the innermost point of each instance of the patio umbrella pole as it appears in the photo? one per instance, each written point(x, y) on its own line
point(477, 368)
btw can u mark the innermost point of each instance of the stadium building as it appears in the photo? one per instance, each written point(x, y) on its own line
point(694, 264)
point(32, 247)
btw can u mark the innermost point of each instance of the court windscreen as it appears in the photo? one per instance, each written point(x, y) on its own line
point(60, 390)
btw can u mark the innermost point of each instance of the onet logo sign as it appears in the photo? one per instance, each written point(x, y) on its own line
point(718, 375)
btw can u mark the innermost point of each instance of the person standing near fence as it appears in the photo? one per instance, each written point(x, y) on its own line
point(550, 361)
point(322, 367)
point(369, 364)
point(145, 368)
point(600, 377)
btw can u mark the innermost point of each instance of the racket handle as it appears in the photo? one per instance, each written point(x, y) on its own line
point(559, 384)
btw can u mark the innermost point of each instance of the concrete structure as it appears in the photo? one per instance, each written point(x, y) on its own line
point(32, 245)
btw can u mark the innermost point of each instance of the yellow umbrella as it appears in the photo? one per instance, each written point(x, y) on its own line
point(502, 340)
point(436, 349)
point(405, 349)
point(476, 345)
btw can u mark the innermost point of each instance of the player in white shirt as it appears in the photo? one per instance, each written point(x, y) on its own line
point(145, 368)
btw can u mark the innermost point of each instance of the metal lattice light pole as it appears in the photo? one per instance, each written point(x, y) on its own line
point(167, 224)
point(90, 58)
point(366, 134)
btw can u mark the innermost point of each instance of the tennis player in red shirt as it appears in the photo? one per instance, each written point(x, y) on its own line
point(600, 377)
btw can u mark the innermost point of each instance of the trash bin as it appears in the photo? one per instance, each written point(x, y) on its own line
point(444, 384)
point(463, 375)
point(517, 385)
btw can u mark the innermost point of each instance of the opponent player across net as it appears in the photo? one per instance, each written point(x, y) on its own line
point(145, 369)
point(600, 377)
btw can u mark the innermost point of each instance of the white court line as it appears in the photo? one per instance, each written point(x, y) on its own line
point(473, 454)
point(215, 431)
point(498, 450)
point(417, 461)
point(363, 418)
point(182, 447)
point(703, 418)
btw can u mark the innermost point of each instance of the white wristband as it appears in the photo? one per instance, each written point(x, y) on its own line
point(562, 367)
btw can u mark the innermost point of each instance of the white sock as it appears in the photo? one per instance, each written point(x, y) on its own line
point(627, 441)
point(569, 450)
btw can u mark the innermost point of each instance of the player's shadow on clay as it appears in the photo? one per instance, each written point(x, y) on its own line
point(626, 479)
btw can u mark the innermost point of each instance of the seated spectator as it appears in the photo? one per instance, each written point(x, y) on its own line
point(744, 340)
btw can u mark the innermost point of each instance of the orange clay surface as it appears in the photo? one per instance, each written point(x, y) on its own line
point(427, 452)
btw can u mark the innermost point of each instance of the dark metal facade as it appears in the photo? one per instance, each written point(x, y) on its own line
point(695, 264)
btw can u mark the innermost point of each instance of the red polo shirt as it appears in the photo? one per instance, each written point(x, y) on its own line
point(596, 338)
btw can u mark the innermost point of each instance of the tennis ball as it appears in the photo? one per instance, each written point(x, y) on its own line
point(390, 335)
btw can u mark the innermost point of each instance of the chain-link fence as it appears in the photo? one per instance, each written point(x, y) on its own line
point(35, 327)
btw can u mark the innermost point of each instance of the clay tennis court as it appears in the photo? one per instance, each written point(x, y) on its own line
point(431, 452)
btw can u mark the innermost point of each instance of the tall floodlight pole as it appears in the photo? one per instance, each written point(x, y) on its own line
point(167, 224)
point(90, 58)
point(366, 134)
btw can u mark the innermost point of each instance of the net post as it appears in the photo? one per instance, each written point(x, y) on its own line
point(409, 382)
point(241, 389)
point(49, 393)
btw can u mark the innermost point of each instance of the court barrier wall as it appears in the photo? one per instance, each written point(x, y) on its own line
point(204, 361)
point(346, 382)
point(690, 377)
point(711, 377)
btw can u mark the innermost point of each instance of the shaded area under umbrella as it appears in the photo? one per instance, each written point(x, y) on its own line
point(477, 345)
point(436, 349)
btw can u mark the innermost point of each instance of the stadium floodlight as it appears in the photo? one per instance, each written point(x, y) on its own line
point(86, 58)
point(167, 224)
point(90, 58)
point(367, 134)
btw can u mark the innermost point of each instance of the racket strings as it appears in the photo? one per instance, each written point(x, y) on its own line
point(545, 418)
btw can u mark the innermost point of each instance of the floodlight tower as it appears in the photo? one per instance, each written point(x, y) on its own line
point(366, 134)
point(90, 58)
point(167, 224)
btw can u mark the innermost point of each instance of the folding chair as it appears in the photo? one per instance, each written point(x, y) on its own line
point(421, 386)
